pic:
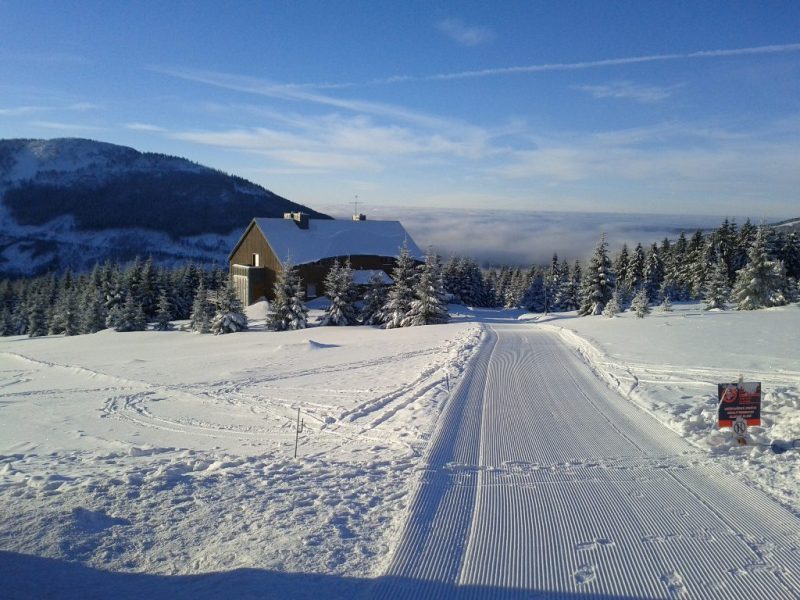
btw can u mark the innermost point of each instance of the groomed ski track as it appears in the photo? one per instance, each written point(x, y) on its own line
point(541, 482)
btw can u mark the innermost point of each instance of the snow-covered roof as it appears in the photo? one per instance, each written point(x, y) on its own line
point(364, 276)
point(326, 238)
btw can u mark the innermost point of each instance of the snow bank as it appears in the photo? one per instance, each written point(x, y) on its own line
point(172, 452)
point(670, 363)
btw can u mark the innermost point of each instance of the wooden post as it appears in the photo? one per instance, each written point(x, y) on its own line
point(297, 433)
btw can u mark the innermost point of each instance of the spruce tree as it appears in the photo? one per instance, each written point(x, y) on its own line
point(66, 314)
point(762, 281)
point(200, 319)
point(340, 292)
point(37, 315)
point(401, 293)
point(598, 281)
point(716, 290)
point(288, 310)
point(533, 299)
point(229, 317)
point(129, 316)
point(373, 301)
point(612, 308)
point(641, 303)
point(428, 307)
point(163, 312)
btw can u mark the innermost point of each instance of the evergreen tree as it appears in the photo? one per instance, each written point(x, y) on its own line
point(163, 313)
point(598, 281)
point(571, 300)
point(37, 315)
point(129, 316)
point(666, 304)
point(66, 314)
point(762, 281)
point(622, 273)
point(716, 290)
point(653, 272)
point(636, 269)
point(200, 319)
point(533, 299)
point(641, 303)
point(401, 293)
point(229, 317)
point(288, 310)
point(374, 299)
point(429, 306)
point(340, 291)
point(612, 308)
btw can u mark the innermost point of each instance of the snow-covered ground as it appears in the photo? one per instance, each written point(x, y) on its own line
point(171, 453)
point(670, 364)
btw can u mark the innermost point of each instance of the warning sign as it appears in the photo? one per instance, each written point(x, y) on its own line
point(739, 400)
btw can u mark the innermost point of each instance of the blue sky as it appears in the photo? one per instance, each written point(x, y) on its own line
point(649, 107)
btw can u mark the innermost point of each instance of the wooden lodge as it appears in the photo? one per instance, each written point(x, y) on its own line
point(312, 245)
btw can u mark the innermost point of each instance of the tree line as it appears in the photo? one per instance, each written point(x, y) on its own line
point(748, 267)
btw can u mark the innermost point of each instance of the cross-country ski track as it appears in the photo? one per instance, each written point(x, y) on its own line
point(542, 482)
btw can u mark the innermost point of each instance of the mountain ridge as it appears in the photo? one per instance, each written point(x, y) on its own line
point(69, 202)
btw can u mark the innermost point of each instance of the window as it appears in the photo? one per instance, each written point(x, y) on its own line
point(255, 260)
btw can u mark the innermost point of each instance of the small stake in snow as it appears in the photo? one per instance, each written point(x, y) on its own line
point(448, 381)
point(298, 430)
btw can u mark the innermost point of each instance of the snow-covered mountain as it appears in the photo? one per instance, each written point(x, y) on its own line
point(71, 202)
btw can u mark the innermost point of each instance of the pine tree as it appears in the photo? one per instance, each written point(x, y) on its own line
point(653, 272)
point(340, 291)
point(163, 313)
point(200, 319)
point(288, 310)
point(37, 315)
point(533, 299)
point(666, 304)
point(598, 281)
point(762, 281)
point(641, 303)
point(636, 268)
point(716, 290)
point(401, 293)
point(428, 307)
point(66, 314)
point(129, 316)
point(374, 299)
point(229, 317)
point(612, 308)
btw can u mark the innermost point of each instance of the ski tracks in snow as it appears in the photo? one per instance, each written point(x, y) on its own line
point(543, 482)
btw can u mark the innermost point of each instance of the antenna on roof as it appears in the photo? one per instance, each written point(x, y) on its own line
point(357, 216)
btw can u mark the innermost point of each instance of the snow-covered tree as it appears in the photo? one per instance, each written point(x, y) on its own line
point(229, 316)
point(200, 318)
point(533, 299)
point(666, 304)
point(339, 289)
point(761, 282)
point(129, 316)
point(715, 289)
point(598, 281)
point(37, 315)
point(429, 306)
point(641, 303)
point(653, 272)
point(401, 293)
point(163, 312)
point(373, 301)
point(288, 311)
point(66, 317)
point(612, 307)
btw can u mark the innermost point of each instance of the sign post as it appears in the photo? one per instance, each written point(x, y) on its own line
point(739, 406)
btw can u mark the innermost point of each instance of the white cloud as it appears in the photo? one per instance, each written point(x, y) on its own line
point(465, 35)
point(28, 110)
point(144, 127)
point(625, 90)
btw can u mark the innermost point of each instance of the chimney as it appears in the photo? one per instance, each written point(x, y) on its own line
point(300, 218)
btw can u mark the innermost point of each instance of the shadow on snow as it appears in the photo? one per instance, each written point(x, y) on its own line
point(30, 577)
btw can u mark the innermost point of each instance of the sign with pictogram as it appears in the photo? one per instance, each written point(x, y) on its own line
point(740, 400)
